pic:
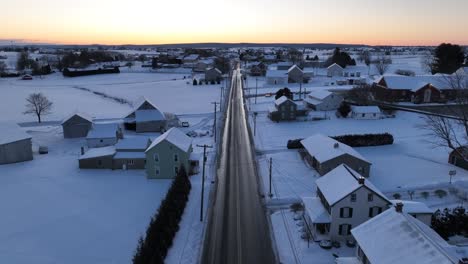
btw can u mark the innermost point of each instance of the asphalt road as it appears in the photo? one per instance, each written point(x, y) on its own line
point(238, 231)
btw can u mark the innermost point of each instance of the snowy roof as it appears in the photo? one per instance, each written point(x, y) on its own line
point(282, 99)
point(176, 137)
point(355, 68)
point(403, 82)
point(365, 109)
point(407, 240)
point(149, 115)
point(103, 131)
point(276, 73)
point(315, 210)
point(412, 207)
point(294, 67)
point(191, 57)
point(141, 101)
point(82, 115)
point(215, 69)
point(98, 152)
point(322, 148)
point(313, 101)
point(134, 143)
point(130, 155)
point(284, 63)
point(334, 65)
point(11, 132)
point(342, 181)
point(319, 94)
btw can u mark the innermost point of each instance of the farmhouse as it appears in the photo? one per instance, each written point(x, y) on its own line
point(365, 112)
point(407, 241)
point(275, 77)
point(321, 100)
point(345, 200)
point(130, 153)
point(284, 109)
point(167, 154)
point(76, 125)
point(146, 117)
point(213, 75)
point(324, 154)
point(334, 70)
point(102, 135)
point(15, 144)
point(295, 74)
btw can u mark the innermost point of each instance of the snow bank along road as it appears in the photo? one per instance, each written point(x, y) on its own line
point(238, 231)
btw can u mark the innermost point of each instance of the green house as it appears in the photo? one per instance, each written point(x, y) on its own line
point(167, 154)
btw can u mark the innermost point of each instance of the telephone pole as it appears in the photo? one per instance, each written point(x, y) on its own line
point(203, 179)
point(256, 89)
point(271, 163)
point(214, 126)
point(255, 123)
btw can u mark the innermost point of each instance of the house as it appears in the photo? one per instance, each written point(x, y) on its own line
point(284, 109)
point(167, 154)
point(396, 237)
point(146, 117)
point(258, 69)
point(103, 135)
point(324, 154)
point(295, 74)
point(192, 58)
point(321, 100)
point(130, 153)
point(269, 58)
point(76, 125)
point(418, 210)
point(275, 77)
point(283, 65)
point(334, 70)
point(365, 112)
point(15, 144)
point(458, 156)
point(354, 71)
point(97, 158)
point(345, 199)
point(213, 75)
point(203, 65)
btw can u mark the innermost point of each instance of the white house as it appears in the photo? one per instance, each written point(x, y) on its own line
point(322, 100)
point(354, 71)
point(103, 135)
point(334, 70)
point(276, 77)
point(146, 117)
point(396, 237)
point(366, 112)
point(345, 199)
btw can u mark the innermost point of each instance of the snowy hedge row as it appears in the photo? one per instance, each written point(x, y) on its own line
point(164, 224)
point(365, 140)
point(67, 73)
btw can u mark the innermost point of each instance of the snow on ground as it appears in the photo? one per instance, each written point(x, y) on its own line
point(57, 212)
point(168, 91)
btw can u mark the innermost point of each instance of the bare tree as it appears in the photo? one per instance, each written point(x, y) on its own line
point(360, 94)
point(39, 105)
point(382, 63)
point(426, 62)
point(2, 67)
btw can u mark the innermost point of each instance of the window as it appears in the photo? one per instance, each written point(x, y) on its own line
point(344, 230)
point(156, 157)
point(353, 197)
point(99, 162)
point(373, 211)
point(157, 171)
point(291, 108)
point(131, 162)
point(374, 114)
point(370, 197)
point(346, 212)
point(363, 115)
point(101, 140)
point(176, 170)
point(176, 157)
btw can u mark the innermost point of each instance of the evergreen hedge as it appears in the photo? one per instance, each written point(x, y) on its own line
point(163, 226)
point(365, 140)
point(67, 73)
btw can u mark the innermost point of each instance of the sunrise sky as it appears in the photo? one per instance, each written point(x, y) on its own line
point(374, 22)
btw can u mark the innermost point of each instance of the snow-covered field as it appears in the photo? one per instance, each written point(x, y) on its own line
point(53, 212)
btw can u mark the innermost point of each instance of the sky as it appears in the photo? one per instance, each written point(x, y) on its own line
point(372, 22)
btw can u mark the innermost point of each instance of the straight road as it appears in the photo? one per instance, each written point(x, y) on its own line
point(238, 231)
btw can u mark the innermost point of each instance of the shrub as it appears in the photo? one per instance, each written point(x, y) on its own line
point(67, 73)
point(295, 144)
point(365, 140)
point(425, 194)
point(440, 193)
point(195, 82)
point(397, 196)
point(344, 109)
point(296, 207)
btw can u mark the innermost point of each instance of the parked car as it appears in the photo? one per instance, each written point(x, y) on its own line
point(326, 244)
point(185, 124)
point(27, 77)
point(43, 150)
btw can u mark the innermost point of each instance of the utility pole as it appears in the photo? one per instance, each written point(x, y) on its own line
point(255, 123)
point(256, 89)
point(214, 125)
point(203, 179)
point(221, 99)
point(271, 164)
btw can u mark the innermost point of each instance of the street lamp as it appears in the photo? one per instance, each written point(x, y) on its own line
point(451, 174)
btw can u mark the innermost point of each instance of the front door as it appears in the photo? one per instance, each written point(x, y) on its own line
point(427, 95)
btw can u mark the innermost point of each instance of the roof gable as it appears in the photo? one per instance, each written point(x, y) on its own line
point(11, 132)
point(174, 136)
point(83, 116)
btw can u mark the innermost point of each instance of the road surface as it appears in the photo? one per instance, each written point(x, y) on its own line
point(238, 231)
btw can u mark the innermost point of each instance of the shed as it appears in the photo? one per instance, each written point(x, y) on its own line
point(76, 125)
point(15, 144)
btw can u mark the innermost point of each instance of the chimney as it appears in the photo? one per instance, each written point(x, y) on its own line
point(82, 150)
point(361, 180)
point(399, 207)
point(336, 145)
